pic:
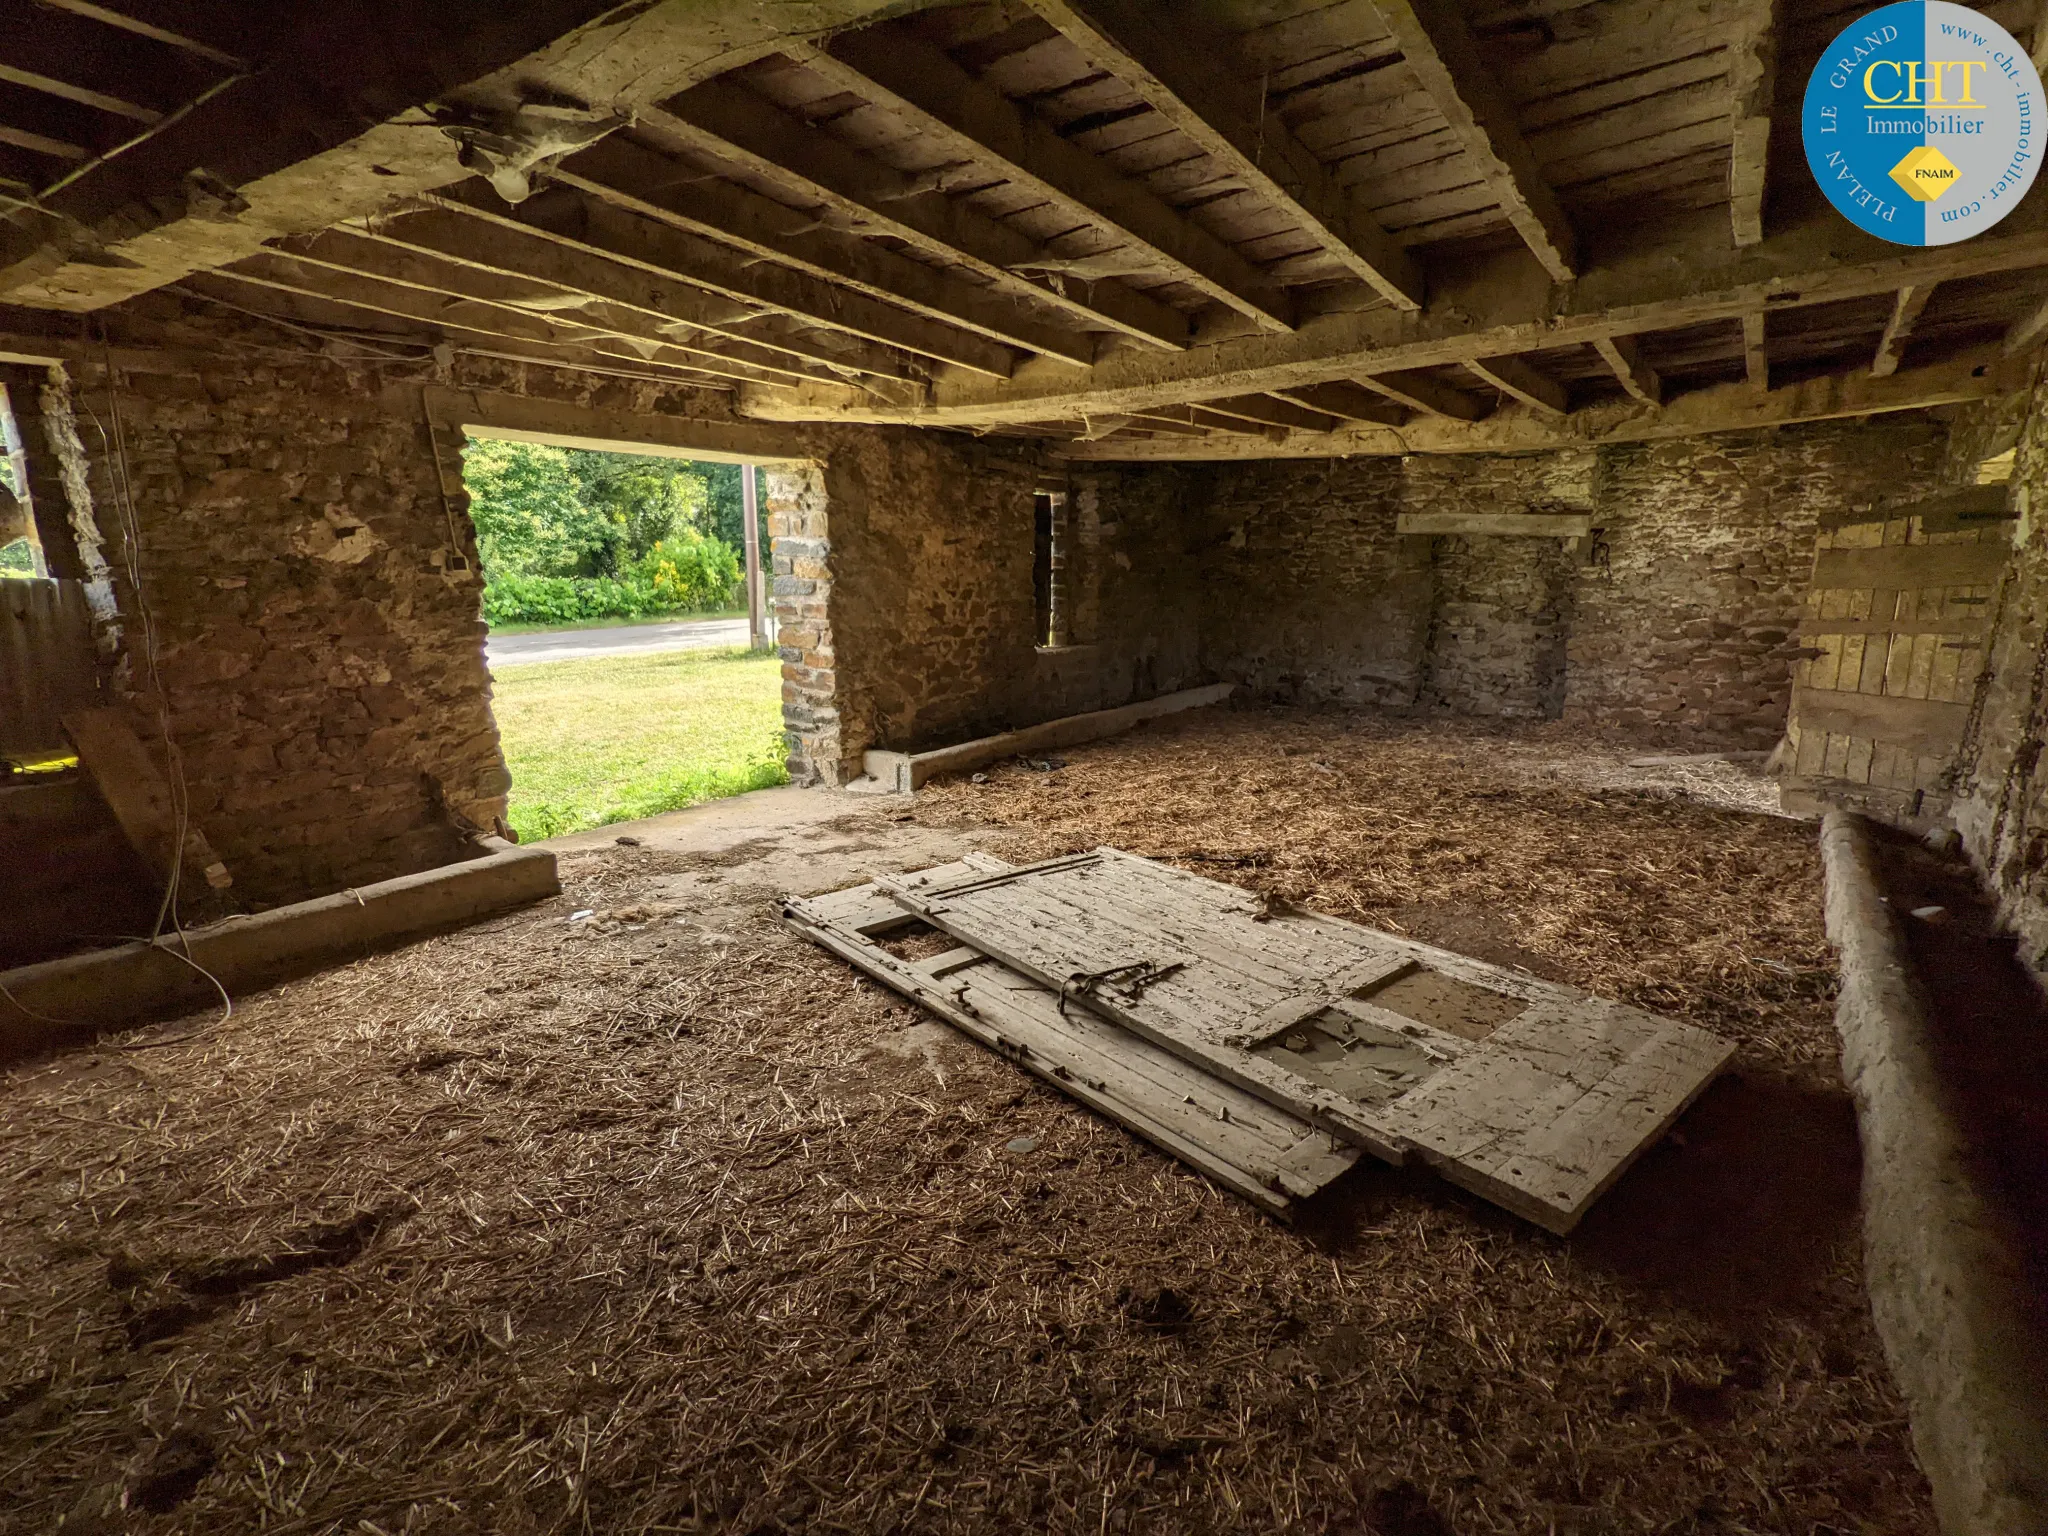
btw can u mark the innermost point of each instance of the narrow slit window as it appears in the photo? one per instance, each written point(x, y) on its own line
point(1052, 609)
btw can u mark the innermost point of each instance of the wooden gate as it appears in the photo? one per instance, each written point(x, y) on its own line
point(1898, 620)
point(47, 665)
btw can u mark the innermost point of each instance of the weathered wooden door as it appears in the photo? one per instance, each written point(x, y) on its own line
point(1532, 1094)
point(1898, 618)
point(47, 665)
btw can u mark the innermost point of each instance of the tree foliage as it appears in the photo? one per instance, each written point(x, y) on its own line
point(568, 533)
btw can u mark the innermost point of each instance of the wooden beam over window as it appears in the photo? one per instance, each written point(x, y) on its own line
point(920, 83)
point(1512, 376)
point(1899, 329)
point(1634, 375)
point(1161, 53)
point(730, 122)
point(1439, 48)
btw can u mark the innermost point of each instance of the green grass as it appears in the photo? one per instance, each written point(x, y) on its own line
point(690, 616)
point(621, 737)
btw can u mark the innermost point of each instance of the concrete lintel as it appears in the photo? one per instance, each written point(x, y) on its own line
point(61, 999)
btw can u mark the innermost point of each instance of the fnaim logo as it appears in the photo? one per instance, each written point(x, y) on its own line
point(1924, 123)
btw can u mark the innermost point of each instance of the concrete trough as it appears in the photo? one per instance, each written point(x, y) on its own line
point(59, 1000)
point(902, 772)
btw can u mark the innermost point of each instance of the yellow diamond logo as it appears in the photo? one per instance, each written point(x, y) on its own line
point(1925, 173)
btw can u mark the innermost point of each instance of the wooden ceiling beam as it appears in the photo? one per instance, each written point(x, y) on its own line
point(487, 242)
point(1427, 394)
point(346, 252)
point(594, 224)
point(1977, 375)
point(2028, 331)
point(1185, 77)
point(1438, 47)
point(1347, 402)
point(940, 99)
point(1898, 330)
point(1513, 377)
point(126, 21)
point(1752, 89)
point(641, 181)
point(728, 121)
point(1670, 280)
point(1634, 375)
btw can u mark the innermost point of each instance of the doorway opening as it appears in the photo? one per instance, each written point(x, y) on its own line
point(627, 676)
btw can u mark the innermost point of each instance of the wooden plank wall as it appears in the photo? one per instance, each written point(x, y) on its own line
point(1897, 622)
point(47, 665)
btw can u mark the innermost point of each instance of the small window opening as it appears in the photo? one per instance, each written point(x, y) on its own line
point(1051, 556)
point(21, 552)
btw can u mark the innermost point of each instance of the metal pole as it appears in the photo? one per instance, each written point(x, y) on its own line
point(757, 634)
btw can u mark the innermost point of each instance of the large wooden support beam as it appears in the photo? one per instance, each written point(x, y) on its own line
point(729, 122)
point(1431, 396)
point(1752, 90)
point(1161, 54)
point(1977, 375)
point(1438, 47)
point(1515, 378)
point(1899, 329)
point(1634, 375)
point(481, 241)
point(631, 177)
point(610, 230)
point(918, 81)
point(1756, 362)
point(1670, 281)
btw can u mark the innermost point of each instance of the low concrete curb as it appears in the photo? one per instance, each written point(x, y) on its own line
point(1946, 1287)
point(80, 994)
point(902, 772)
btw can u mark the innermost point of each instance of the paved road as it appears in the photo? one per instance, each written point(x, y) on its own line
point(625, 640)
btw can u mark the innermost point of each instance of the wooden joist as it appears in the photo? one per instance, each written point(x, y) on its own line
point(1635, 376)
point(1438, 46)
point(1348, 402)
point(1898, 330)
point(726, 120)
point(638, 180)
point(1752, 89)
point(1185, 77)
point(1430, 396)
point(920, 83)
point(1512, 376)
point(1756, 361)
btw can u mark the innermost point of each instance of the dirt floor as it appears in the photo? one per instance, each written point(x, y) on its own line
point(660, 1220)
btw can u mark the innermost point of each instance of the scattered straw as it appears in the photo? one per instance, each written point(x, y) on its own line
point(558, 1227)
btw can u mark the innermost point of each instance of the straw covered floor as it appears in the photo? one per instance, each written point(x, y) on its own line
point(663, 1221)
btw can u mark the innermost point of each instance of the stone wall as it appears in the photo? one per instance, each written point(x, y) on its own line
point(2001, 808)
point(1675, 623)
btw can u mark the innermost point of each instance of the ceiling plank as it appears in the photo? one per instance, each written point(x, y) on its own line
point(1431, 396)
point(732, 123)
point(1349, 402)
point(1898, 330)
point(1153, 50)
point(1512, 376)
point(612, 231)
point(486, 241)
point(1977, 375)
point(644, 182)
point(1753, 88)
point(919, 82)
point(1633, 374)
point(1756, 362)
point(1439, 48)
